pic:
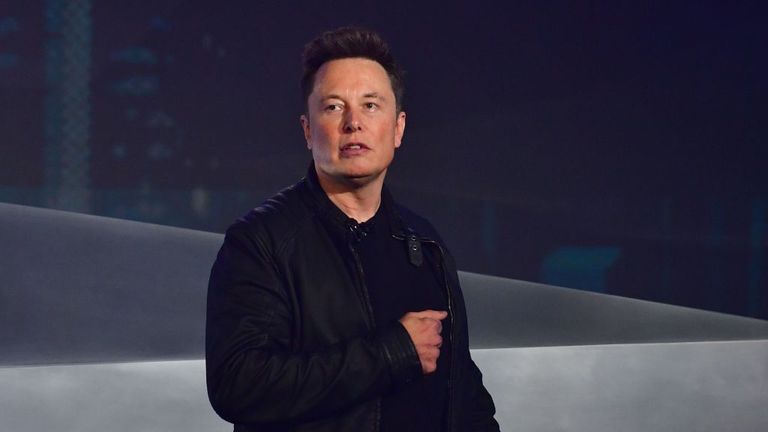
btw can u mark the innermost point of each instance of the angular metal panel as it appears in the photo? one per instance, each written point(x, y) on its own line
point(696, 386)
point(79, 288)
point(507, 313)
point(700, 386)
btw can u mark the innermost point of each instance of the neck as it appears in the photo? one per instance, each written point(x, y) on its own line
point(358, 201)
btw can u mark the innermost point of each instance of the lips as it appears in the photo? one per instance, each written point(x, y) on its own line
point(354, 146)
point(354, 149)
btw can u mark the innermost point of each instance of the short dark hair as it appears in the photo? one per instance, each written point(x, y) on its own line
point(349, 42)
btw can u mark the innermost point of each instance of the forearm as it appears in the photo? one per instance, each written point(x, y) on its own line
point(267, 384)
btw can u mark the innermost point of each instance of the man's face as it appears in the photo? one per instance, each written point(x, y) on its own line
point(352, 125)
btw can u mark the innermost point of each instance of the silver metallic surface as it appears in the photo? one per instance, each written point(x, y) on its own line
point(115, 397)
point(78, 288)
point(507, 313)
point(698, 386)
point(99, 291)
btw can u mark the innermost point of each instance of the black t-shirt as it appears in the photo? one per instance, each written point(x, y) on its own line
point(396, 286)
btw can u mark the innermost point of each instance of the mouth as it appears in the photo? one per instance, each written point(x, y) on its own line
point(353, 150)
point(354, 146)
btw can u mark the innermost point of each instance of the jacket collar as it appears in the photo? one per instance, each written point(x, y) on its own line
point(326, 208)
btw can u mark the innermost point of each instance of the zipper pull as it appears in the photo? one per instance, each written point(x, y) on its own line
point(415, 254)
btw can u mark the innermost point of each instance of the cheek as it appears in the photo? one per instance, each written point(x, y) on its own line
point(323, 141)
point(325, 132)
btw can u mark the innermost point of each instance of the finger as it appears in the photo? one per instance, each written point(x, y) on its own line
point(439, 326)
point(433, 353)
point(429, 313)
point(431, 340)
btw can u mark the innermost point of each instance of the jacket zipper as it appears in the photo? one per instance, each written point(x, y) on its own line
point(369, 314)
point(449, 298)
point(363, 289)
point(453, 327)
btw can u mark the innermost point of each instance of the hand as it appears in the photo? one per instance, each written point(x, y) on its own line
point(424, 328)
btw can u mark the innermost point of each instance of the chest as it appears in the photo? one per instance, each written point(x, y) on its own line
point(395, 284)
point(342, 289)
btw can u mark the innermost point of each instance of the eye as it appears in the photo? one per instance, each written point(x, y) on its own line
point(332, 107)
point(371, 106)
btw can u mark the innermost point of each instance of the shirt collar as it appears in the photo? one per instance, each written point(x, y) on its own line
point(327, 208)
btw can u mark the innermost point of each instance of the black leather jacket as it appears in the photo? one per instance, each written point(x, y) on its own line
point(291, 343)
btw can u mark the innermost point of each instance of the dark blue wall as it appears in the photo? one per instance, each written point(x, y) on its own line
point(610, 146)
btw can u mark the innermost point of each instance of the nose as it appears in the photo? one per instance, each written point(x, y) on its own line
point(351, 122)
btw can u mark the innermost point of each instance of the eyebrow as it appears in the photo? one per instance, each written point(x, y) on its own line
point(374, 95)
point(370, 95)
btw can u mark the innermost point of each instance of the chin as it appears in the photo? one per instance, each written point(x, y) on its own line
point(362, 177)
point(360, 172)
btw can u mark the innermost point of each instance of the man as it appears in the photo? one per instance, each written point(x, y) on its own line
point(330, 307)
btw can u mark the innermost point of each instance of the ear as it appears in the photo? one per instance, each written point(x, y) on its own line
point(399, 128)
point(305, 127)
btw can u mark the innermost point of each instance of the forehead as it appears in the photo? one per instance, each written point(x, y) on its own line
point(351, 74)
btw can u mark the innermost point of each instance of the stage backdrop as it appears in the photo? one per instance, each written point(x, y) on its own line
point(593, 145)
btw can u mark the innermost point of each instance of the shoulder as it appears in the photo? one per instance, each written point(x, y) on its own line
point(417, 223)
point(275, 221)
point(424, 229)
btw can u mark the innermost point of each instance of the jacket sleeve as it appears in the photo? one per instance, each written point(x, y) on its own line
point(479, 403)
point(252, 374)
point(482, 408)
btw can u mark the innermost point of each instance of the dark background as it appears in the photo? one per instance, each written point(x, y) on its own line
point(617, 147)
